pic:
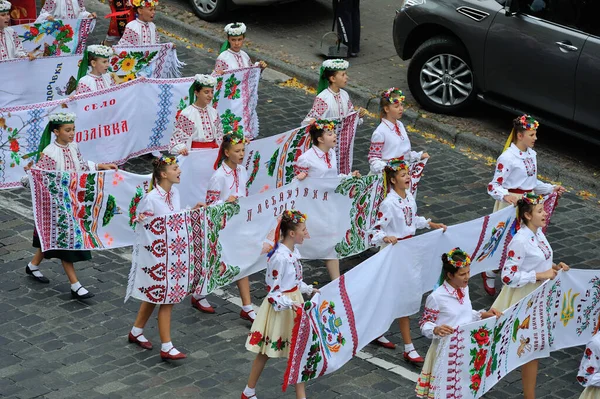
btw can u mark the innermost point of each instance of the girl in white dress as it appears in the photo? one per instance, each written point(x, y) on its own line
point(95, 56)
point(332, 101)
point(397, 220)
point(271, 332)
point(390, 139)
point(528, 264)
point(141, 31)
point(515, 175)
point(232, 56)
point(10, 44)
point(320, 162)
point(446, 308)
point(198, 125)
point(589, 369)
point(63, 9)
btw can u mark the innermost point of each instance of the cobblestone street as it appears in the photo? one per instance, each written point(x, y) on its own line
point(53, 347)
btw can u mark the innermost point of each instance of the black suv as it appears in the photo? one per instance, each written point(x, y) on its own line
point(536, 56)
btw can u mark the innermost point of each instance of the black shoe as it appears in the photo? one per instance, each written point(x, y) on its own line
point(42, 279)
point(75, 295)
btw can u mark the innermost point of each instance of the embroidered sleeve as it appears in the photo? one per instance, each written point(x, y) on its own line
point(19, 50)
point(589, 369)
point(543, 188)
point(46, 163)
point(213, 194)
point(156, 35)
point(146, 207)
point(375, 162)
point(221, 65)
point(219, 130)
point(421, 222)
point(130, 38)
point(384, 217)
point(82, 88)
point(46, 11)
point(414, 156)
point(512, 275)
point(318, 109)
point(429, 318)
point(273, 279)
point(495, 188)
point(301, 165)
point(184, 128)
point(85, 166)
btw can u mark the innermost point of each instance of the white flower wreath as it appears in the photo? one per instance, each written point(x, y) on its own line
point(100, 51)
point(337, 64)
point(62, 117)
point(5, 6)
point(235, 29)
point(206, 80)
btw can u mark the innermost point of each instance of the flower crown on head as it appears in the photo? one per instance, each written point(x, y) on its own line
point(458, 263)
point(235, 29)
point(144, 3)
point(62, 117)
point(396, 164)
point(235, 138)
point(528, 123)
point(295, 216)
point(394, 95)
point(323, 124)
point(168, 160)
point(100, 50)
point(533, 199)
point(335, 65)
point(5, 6)
point(206, 80)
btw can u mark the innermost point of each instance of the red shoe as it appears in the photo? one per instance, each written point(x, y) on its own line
point(246, 316)
point(387, 345)
point(248, 397)
point(490, 291)
point(135, 340)
point(168, 356)
point(196, 304)
point(416, 361)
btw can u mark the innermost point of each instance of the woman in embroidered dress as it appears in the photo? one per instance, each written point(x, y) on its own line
point(96, 57)
point(162, 199)
point(227, 184)
point(271, 332)
point(589, 369)
point(63, 9)
point(332, 101)
point(62, 155)
point(198, 125)
point(446, 308)
point(232, 56)
point(397, 220)
point(10, 43)
point(528, 264)
point(516, 174)
point(320, 162)
point(141, 31)
point(390, 139)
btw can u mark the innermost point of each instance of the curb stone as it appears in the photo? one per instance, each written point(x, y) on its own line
point(364, 97)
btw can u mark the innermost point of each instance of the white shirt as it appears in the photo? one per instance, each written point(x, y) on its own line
point(397, 217)
point(316, 163)
point(10, 45)
point(226, 182)
point(229, 59)
point(589, 369)
point(447, 306)
point(516, 169)
point(390, 141)
point(284, 273)
point(63, 9)
point(138, 33)
point(63, 157)
point(330, 105)
point(196, 124)
point(158, 202)
point(90, 83)
point(528, 253)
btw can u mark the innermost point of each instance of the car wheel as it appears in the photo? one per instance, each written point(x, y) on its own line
point(209, 10)
point(440, 76)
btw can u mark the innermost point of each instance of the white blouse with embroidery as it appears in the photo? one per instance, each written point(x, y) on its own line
point(589, 369)
point(90, 83)
point(10, 45)
point(284, 273)
point(528, 253)
point(139, 33)
point(158, 202)
point(229, 59)
point(196, 124)
point(390, 141)
point(63, 157)
point(330, 105)
point(448, 306)
point(316, 163)
point(516, 169)
point(397, 217)
point(226, 182)
point(63, 9)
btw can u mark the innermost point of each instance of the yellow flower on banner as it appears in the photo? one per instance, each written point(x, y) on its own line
point(129, 77)
point(127, 64)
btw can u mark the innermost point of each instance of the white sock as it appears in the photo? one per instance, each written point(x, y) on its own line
point(35, 270)
point(383, 340)
point(198, 296)
point(491, 279)
point(77, 286)
point(138, 333)
point(169, 348)
point(247, 308)
point(409, 347)
point(204, 302)
point(249, 391)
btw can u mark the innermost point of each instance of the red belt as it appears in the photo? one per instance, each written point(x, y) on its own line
point(518, 191)
point(404, 238)
point(204, 144)
point(292, 290)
